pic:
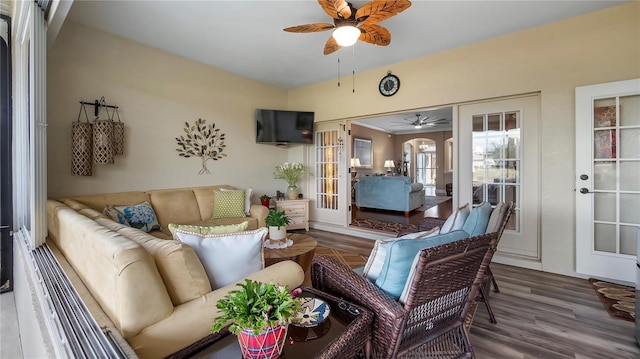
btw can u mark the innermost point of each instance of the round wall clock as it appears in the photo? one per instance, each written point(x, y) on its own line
point(389, 85)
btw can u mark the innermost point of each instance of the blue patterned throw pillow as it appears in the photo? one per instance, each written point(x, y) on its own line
point(141, 216)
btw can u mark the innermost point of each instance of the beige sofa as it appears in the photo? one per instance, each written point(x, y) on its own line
point(152, 288)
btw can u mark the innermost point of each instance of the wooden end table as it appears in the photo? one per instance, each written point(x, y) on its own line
point(301, 251)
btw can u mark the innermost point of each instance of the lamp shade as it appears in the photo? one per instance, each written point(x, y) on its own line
point(389, 164)
point(355, 162)
point(346, 35)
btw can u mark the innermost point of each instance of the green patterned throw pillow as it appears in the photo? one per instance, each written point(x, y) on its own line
point(207, 230)
point(228, 204)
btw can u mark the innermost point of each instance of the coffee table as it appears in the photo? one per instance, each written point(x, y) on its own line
point(301, 251)
point(345, 334)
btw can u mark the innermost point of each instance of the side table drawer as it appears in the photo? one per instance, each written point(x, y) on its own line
point(295, 210)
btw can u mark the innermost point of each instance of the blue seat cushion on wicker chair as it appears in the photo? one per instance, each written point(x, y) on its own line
point(477, 221)
point(399, 258)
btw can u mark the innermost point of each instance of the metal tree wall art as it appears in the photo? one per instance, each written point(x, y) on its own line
point(202, 140)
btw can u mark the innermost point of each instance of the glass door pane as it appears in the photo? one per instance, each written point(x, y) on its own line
point(616, 173)
point(496, 160)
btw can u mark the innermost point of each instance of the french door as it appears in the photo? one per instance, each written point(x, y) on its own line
point(498, 155)
point(608, 179)
point(330, 180)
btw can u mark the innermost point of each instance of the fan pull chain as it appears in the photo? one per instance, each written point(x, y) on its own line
point(353, 72)
point(338, 72)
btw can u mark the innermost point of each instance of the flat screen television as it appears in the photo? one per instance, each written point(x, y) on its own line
point(284, 127)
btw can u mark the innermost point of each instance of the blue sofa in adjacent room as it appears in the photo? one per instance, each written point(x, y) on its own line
point(395, 193)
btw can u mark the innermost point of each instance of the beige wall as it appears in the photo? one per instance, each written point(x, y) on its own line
point(157, 93)
point(553, 59)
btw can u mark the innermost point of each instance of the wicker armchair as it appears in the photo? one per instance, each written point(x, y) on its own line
point(430, 222)
point(432, 318)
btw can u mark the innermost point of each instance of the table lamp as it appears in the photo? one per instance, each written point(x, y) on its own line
point(389, 165)
point(355, 162)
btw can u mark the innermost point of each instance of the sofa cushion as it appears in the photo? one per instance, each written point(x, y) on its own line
point(227, 258)
point(379, 252)
point(140, 216)
point(497, 215)
point(204, 196)
point(399, 259)
point(478, 219)
point(181, 270)
point(247, 198)
point(99, 201)
point(229, 228)
point(175, 206)
point(228, 204)
point(456, 219)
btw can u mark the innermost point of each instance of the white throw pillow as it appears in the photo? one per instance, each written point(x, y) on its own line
point(456, 219)
point(379, 252)
point(227, 258)
point(247, 198)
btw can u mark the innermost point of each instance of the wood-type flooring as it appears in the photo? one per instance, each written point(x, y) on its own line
point(540, 315)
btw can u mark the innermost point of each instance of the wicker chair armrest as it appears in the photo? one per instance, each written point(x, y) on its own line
point(329, 275)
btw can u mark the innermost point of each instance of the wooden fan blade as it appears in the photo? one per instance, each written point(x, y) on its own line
point(375, 34)
point(378, 10)
point(310, 28)
point(337, 9)
point(331, 46)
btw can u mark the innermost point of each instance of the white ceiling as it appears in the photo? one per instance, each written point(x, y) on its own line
point(246, 37)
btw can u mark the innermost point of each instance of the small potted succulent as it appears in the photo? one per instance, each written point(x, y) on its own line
point(259, 315)
point(265, 200)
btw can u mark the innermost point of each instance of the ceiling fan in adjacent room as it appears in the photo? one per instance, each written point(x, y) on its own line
point(419, 121)
point(351, 24)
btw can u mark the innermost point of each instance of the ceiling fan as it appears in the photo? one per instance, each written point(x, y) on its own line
point(354, 24)
point(421, 121)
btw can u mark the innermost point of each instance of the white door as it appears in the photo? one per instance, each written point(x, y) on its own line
point(332, 195)
point(607, 179)
point(498, 155)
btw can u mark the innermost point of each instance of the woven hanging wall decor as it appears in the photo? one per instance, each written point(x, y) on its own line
point(103, 141)
point(118, 134)
point(81, 146)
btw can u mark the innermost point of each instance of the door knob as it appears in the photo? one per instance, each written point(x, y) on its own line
point(584, 190)
point(584, 177)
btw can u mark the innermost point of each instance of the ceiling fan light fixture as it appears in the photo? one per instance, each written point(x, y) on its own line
point(346, 35)
point(418, 126)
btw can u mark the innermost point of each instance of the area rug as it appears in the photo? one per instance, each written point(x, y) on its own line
point(431, 201)
point(391, 227)
point(618, 300)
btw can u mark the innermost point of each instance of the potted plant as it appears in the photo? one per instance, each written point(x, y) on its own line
point(265, 200)
point(259, 314)
point(277, 222)
point(292, 173)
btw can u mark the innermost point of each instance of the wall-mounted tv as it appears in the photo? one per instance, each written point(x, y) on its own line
point(284, 127)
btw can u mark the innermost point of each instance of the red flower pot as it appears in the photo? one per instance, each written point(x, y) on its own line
point(264, 345)
point(265, 202)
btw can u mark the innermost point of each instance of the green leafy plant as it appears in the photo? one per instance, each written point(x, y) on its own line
point(276, 219)
point(264, 197)
point(290, 172)
point(256, 306)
